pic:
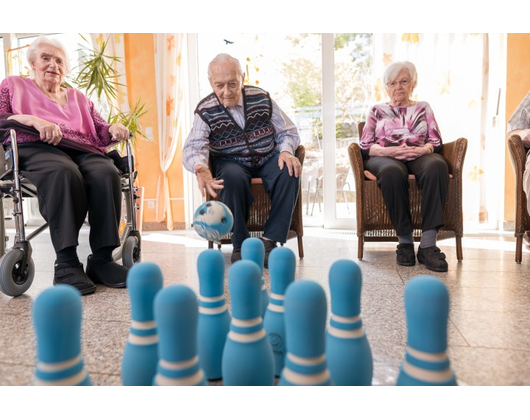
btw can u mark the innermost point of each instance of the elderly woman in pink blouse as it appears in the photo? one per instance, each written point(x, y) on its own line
point(66, 161)
point(401, 137)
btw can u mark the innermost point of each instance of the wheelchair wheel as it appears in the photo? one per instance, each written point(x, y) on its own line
point(131, 252)
point(12, 281)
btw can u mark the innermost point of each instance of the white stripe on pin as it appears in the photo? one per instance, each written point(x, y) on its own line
point(179, 365)
point(56, 367)
point(211, 299)
point(147, 325)
point(428, 357)
point(246, 338)
point(246, 322)
point(143, 340)
point(276, 308)
point(71, 381)
point(212, 311)
point(298, 379)
point(427, 375)
point(306, 361)
point(277, 296)
point(190, 380)
point(337, 332)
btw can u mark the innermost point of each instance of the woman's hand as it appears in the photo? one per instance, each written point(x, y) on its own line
point(49, 133)
point(403, 152)
point(118, 132)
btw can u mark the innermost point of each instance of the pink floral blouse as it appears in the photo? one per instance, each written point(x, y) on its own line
point(388, 125)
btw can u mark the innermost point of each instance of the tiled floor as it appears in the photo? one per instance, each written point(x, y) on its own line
point(488, 332)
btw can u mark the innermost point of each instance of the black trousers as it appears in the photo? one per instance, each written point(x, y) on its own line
point(432, 177)
point(236, 194)
point(71, 184)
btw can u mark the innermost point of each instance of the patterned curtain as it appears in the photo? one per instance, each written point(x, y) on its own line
point(453, 76)
point(17, 65)
point(170, 70)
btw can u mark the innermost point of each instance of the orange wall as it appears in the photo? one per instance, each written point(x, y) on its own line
point(517, 86)
point(141, 85)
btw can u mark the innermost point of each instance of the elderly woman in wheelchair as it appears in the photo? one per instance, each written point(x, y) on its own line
point(65, 159)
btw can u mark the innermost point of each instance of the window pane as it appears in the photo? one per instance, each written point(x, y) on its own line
point(353, 68)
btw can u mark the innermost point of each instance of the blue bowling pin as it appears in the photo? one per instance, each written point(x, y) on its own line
point(214, 318)
point(427, 311)
point(247, 356)
point(57, 313)
point(282, 267)
point(347, 349)
point(176, 316)
point(305, 330)
point(253, 249)
point(140, 356)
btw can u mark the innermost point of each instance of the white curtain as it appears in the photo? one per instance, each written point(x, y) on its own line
point(454, 77)
point(171, 82)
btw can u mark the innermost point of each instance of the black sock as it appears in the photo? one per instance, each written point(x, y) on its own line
point(104, 253)
point(68, 256)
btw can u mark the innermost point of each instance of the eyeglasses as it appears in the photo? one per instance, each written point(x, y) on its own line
point(404, 83)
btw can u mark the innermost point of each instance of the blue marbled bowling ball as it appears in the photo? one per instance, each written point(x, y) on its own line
point(213, 220)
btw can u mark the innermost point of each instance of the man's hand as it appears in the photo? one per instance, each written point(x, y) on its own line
point(207, 182)
point(293, 164)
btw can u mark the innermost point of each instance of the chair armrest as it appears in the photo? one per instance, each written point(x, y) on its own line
point(300, 154)
point(517, 155)
point(357, 166)
point(454, 154)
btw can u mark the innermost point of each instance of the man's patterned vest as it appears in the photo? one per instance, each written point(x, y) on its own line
point(252, 145)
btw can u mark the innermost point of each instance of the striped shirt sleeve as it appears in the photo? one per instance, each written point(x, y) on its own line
point(285, 131)
point(196, 149)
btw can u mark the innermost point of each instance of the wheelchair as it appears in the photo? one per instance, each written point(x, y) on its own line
point(17, 269)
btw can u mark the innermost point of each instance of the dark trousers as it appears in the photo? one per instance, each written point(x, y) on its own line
point(71, 184)
point(236, 194)
point(432, 177)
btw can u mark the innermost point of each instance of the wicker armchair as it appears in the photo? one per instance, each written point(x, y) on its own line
point(522, 219)
point(373, 220)
point(260, 209)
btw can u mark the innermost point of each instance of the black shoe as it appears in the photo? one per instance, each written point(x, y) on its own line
point(236, 255)
point(74, 276)
point(269, 246)
point(106, 272)
point(432, 258)
point(405, 255)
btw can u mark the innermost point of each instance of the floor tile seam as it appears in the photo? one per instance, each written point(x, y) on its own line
point(484, 347)
point(462, 336)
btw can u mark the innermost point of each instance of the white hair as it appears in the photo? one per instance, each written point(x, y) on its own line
point(222, 58)
point(31, 53)
point(392, 71)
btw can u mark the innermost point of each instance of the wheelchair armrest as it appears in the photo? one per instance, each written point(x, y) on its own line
point(6, 125)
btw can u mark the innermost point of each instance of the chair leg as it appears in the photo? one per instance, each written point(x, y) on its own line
point(360, 247)
point(459, 255)
point(519, 250)
point(300, 247)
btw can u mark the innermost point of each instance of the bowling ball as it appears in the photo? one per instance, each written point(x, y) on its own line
point(213, 220)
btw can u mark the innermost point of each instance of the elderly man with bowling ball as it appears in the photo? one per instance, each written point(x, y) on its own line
point(242, 133)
